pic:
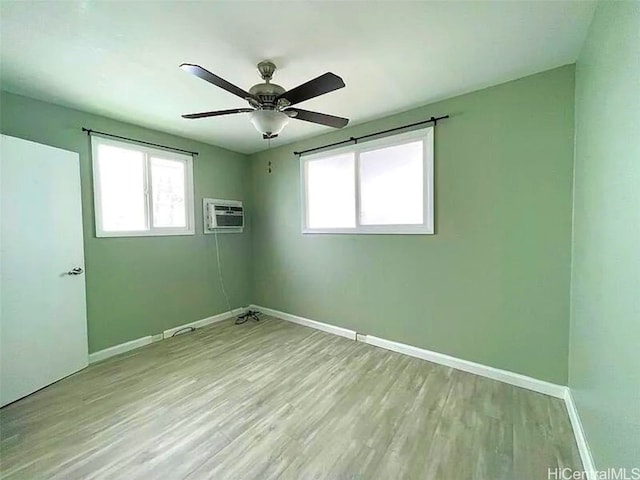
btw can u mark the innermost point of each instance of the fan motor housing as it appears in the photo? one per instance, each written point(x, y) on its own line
point(267, 92)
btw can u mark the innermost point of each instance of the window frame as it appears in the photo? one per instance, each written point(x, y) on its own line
point(151, 231)
point(425, 228)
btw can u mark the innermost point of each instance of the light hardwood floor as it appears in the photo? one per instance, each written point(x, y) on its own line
point(278, 400)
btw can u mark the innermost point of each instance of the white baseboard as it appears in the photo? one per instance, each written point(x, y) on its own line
point(512, 378)
point(523, 381)
point(505, 376)
point(118, 349)
point(325, 327)
point(581, 439)
point(141, 342)
point(205, 321)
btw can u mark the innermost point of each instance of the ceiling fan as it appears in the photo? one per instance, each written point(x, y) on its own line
point(270, 103)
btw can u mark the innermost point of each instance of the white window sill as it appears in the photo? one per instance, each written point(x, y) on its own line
point(147, 233)
point(369, 231)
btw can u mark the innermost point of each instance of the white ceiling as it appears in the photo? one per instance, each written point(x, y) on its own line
point(120, 59)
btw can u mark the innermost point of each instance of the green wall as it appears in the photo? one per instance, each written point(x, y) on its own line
point(142, 286)
point(492, 286)
point(604, 373)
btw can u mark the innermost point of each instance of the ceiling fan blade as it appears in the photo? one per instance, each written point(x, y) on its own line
point(321, 118)
point(217, 113)
point(313, 88)
point(206, 75)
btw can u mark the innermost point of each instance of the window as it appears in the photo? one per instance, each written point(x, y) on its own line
point(381, 186)
point(141, 191)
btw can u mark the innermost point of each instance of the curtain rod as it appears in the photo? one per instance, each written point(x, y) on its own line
point(89, 132)
point(433, 120)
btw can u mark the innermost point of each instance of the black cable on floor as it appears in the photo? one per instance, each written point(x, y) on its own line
point(246, 316)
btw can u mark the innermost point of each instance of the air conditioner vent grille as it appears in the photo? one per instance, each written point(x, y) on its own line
point(223, 215)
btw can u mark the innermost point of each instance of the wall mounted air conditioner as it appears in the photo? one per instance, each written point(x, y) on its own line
point(222, 215)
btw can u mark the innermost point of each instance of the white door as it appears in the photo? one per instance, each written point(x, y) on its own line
point(43, 324)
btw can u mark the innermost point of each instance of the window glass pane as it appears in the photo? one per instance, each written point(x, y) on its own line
point(168, 186)
point(331, 192)
point(391, 185)
point(122, 197)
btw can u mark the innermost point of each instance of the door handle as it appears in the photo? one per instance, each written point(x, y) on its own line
point(75, 271)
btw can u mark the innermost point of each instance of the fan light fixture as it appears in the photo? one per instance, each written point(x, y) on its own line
point(271, 106)
point(269, 122)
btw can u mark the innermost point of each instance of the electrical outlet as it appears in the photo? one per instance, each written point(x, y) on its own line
point(361, 337)
point(157, 337)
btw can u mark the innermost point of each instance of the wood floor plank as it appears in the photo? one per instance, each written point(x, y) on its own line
point(274, 400)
